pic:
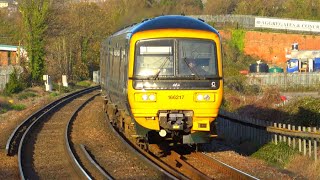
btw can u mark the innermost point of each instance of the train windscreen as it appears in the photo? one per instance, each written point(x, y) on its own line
point(175, 58)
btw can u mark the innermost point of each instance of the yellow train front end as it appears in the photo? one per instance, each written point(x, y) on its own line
point(169, 97)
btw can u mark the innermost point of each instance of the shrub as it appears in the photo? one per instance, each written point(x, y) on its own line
point(238, 39)
point(235, 83)
point(304, 111)
point(84, 83)
point(14, 85)
point(61, 88)
point(54, 94)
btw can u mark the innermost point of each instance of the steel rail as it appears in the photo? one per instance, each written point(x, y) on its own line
point(70, 149)
point(95, 164)
point(16, 136)
point(154, 162)
point(194, 173)
point(223, 167)
point(40, 115)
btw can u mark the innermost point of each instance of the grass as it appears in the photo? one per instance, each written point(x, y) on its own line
point(5, 107)
point(54, 94)
point(276, 154)
point(84, 83)
point(26, 95)
point(18, 107)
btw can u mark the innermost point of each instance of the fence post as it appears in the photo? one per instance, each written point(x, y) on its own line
point(299, 140)
point(315, 146)
point(294, 139)
point(309, 142)
point(275, 135)
point(280, 136)
point(304, 142)
point(289, 138)
point(284, 136)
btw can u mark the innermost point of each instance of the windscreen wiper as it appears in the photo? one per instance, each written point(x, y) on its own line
point(162, 65)
point(191, 69)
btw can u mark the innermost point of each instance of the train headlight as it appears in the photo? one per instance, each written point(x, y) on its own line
point(200, 97)
point(152, 97)
point(203, 97)
point(145, 97)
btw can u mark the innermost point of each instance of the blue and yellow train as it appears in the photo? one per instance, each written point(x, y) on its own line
point(162, 79)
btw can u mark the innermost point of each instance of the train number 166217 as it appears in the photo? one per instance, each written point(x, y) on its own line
point(176, 96)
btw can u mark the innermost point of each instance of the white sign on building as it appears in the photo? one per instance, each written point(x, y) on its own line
point(284, 24)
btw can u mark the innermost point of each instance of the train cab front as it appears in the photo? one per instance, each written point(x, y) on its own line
point(176, 85)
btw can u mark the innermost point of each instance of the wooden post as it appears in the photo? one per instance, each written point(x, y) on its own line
point(284, 137)
point(315, 150)
point(299, 140)
point(309, 142)
point(294, 139)
point(275, 135)
point(289, 138)
point(280, 136)
point(304, 142)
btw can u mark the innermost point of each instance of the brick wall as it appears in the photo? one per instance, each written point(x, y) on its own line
point(4, 61)
point(272, 47)
point(3, 58)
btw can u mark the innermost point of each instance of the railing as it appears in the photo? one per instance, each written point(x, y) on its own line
point(238, 129)
point(249, 22)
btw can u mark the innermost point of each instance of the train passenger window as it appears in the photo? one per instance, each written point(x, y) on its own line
point(154, 58)
point(197, 57)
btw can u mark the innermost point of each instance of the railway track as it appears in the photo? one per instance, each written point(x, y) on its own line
point(177, 166)
point(15, 138)
point(43, 141)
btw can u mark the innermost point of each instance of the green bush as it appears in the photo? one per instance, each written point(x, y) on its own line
point(235, 83)
point(54, 94)
point(18, 107)
point(5, 107)
point(61, 88)
point(238, 39)
point(84, 83)
point(276, 154)
point(303, 111)
point(14, 85)
point(234, 60)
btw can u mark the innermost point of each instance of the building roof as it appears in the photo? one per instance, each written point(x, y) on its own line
point(4, 47)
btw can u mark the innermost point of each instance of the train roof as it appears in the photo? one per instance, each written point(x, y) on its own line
point(168, 22)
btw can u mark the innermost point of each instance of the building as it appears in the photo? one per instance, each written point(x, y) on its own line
point(303, 60)
point(11, 55)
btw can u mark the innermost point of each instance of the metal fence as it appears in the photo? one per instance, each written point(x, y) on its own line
point(285, 80)
point(243, 21)
point(237, 129)
point(248, 22)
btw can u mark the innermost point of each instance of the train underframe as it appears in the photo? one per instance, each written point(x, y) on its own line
point(175, 127)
